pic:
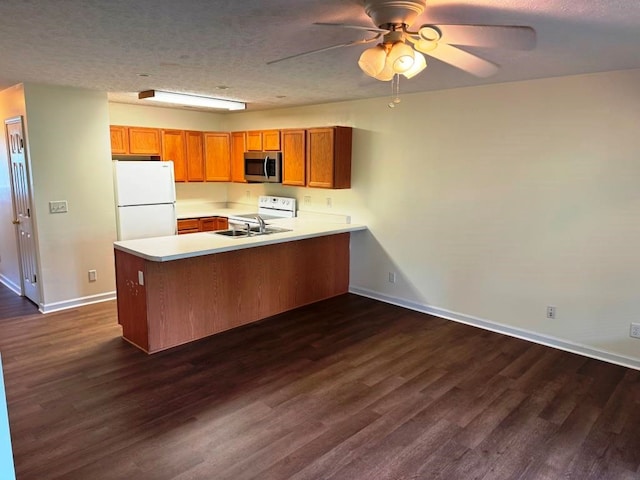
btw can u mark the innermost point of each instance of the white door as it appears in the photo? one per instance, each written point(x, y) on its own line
point(22, 208)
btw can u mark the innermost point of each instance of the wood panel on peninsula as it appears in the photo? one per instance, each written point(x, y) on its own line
point(183, 300)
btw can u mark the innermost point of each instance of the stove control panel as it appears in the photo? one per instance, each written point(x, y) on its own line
point(284, 204)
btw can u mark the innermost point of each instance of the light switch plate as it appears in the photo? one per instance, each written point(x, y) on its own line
point(58, 206)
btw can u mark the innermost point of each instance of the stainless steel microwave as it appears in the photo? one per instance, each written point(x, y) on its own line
point(265, 167)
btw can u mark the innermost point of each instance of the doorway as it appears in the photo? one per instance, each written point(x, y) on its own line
point(21, 195)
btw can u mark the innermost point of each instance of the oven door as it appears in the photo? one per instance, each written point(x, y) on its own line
point(264, 167)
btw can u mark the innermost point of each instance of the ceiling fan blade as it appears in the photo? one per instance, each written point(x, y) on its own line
point(501, 36)
point(463, 60)
point(356, 27)
point(324, 49)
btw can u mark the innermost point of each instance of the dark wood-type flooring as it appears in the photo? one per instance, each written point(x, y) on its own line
point(348, 388)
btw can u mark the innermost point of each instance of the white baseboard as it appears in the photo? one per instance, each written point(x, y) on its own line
point(76, 302)
point(9, 284)
point(500, 328)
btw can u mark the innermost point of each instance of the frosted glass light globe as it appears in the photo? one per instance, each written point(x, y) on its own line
point(426, 45)
point(400, 57)
point(419, 64)
point(372, 60)
point(386, 74)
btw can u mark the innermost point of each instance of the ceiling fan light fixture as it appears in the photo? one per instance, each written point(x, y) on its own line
point(425, 46)
point(419, 64)
point(400, 57)
point(429, 33)
point(387, 73)
point(372, 61)
point(191, 100)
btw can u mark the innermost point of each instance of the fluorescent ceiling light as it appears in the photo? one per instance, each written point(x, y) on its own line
point(191, 100)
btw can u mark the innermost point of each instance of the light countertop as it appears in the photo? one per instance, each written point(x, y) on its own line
point(177, 247)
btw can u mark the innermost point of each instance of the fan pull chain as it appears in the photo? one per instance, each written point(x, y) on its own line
point(395, 91)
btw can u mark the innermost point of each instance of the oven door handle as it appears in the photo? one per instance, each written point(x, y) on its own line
point(266, 173)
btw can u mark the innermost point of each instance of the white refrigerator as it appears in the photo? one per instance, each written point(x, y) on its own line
point(145, 194)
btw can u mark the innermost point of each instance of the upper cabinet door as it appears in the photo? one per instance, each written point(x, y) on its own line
point(254, 141)
point(217, 147)
point(195, 156)
point(173, 148)
point(293, 157)
point(144, 141)
point(320, 157)
point(329, 157)
point(119, 139)
point(238, 147)
point(271, 140)
point(267, 140)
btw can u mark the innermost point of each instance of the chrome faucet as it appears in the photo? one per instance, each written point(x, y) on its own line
point(262, 226)
point(248, 229)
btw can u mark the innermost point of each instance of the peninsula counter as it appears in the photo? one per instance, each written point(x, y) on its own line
point(174, 290)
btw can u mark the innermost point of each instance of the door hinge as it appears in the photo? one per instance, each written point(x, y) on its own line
point(35, 279)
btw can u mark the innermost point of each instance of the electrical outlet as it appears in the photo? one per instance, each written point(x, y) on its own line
point(93, 275)
point(551, 311)
point(329, 202)
point(58, 206)
point(392, 277)
point(247, 194)
point(635, 330)
point(307, 199)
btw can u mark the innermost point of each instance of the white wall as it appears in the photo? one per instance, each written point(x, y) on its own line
point(492, 202)
point(160, 117)
point(70, 154)
point(11, 105)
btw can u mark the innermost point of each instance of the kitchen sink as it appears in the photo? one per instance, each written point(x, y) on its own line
point(239, 233)
point(232, 233)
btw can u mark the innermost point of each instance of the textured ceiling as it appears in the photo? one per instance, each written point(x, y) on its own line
point(199, 46)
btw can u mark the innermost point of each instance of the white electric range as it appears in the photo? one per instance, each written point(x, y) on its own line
point(269, 208)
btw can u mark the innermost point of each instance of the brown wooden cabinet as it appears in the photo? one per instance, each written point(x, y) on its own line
point(210, 224)
point(173, 148)
point(329, 157)
point(144, 141)
point(204, 224)
point(217, 148)
point(271, 140)
point(188, 225)
point(119, 139)
point(267, 140)
point(238, 147)
point(195, 156)
point(317, 157)
point(294, 157)
point(254, 141)
point(134, 140)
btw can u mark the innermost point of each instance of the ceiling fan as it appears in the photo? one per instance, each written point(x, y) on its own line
point(401, 49)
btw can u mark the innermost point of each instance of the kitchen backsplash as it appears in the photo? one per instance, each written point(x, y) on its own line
point(201, 192)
